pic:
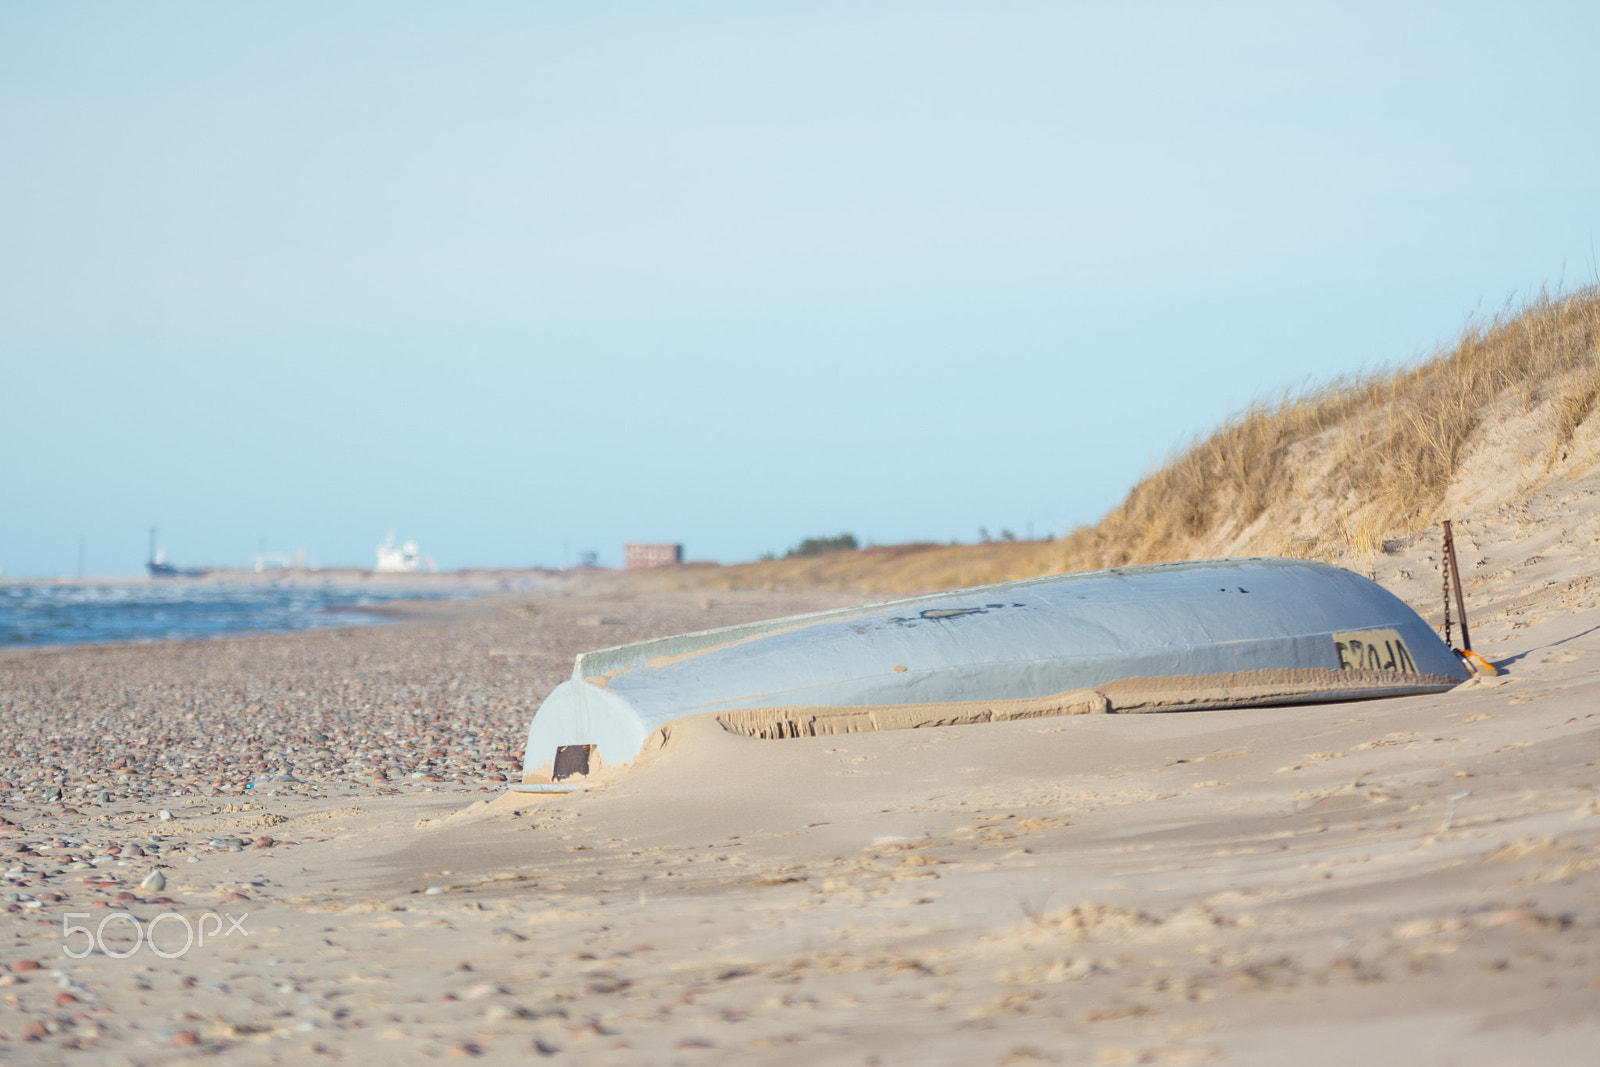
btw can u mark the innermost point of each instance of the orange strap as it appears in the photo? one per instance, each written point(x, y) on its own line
point(1476, 662)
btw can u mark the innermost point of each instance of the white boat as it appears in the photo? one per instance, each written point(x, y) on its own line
point(1184, 636)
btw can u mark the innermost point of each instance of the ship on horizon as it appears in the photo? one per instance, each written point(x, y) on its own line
point(400, 558)
point(158, 566)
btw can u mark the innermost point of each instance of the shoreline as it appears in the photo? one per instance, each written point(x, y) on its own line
point(342, 576)
point(397, 591)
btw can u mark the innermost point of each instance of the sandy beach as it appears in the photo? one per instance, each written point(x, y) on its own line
point(1403, 880)
point(892, 443)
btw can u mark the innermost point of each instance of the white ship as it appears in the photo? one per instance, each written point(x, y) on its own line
point(393, 558)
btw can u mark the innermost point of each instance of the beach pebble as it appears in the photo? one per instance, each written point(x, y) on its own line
point(131, 852)
point(164, 815)
point(21, 966)
point(155, 881)
point(435, 890)
point(185, 1039)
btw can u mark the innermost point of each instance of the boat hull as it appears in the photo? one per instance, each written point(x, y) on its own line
point(1187, 636)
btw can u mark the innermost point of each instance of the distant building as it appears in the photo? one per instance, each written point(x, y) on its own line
point(643, 557)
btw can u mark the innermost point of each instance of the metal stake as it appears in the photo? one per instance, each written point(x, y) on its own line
point(1455, 582)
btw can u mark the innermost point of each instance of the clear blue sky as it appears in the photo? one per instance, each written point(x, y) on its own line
point(523, 279)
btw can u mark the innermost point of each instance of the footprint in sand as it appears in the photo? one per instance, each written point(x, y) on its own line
point(1401, 738)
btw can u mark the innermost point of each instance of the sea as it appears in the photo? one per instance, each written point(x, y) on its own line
point(77, 613)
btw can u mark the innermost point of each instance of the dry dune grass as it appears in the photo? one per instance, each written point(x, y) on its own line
point(1334, 469)
point(879, 569)
point(1381, 449)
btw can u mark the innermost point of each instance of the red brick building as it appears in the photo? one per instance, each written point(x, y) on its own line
point(641, 557)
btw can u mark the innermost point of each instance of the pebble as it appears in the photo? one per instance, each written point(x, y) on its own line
point(164, 815)
point(435, 890)
point(154, 881)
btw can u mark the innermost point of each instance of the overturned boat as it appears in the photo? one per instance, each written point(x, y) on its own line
point(1171, 637)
